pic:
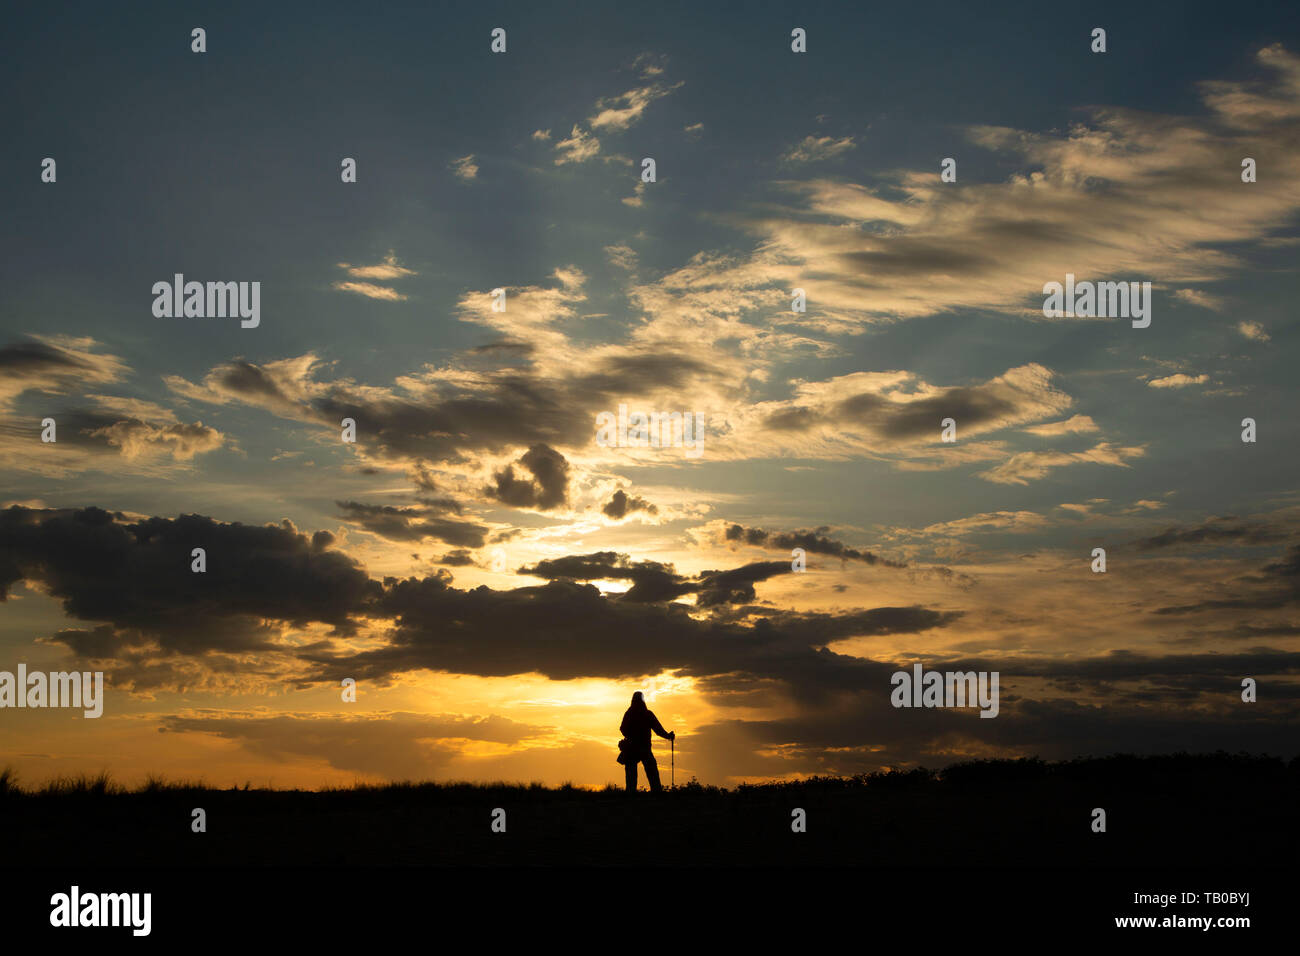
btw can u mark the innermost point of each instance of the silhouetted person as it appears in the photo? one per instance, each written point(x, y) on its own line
point(637, 724)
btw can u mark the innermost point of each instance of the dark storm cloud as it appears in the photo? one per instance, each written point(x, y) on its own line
point(457, 558)
point(862, 732)
point(736, 586)
point(901, 410)
point(814, 627)
point(913, 258)
point(38, 358)
point(622, 374)
point(814, 542)
point(1277, 585)
point(132, 579)
point(1225, 530)
point(505, 408)
point(565, 630)
point(970, 407)
point(548, 488)
point(136, 576)
point(1124, 665)
point(516, 410)
point(252, 382)
point(795, 419)
point(411, 524)
point(846, 724)
point(620, 505)
point(653, 581)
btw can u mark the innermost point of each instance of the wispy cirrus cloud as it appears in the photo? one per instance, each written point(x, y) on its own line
point(1074, 425)
point(1026, 466)
point(816, 148)
point(365, 279)
point(913, 246)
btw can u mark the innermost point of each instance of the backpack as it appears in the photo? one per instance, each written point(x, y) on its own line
point(625, 749)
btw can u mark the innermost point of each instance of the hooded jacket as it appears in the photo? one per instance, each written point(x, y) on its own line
point(637, 724)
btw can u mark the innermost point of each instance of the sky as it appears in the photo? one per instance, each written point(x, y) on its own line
point(497, 577)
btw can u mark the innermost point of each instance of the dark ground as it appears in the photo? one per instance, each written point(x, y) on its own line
point(1178, 810)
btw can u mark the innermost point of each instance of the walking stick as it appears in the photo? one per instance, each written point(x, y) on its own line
point(672, 763)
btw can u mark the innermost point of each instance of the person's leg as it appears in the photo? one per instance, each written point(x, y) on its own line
point(629, 774)
point(652, 773)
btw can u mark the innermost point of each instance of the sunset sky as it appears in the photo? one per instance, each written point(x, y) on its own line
point(497, 582)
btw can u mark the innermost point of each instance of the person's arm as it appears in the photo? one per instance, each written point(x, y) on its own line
point(659, 728)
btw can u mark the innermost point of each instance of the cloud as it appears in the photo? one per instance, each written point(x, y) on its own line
point(817, 148)
point(620, 505)
point(154, 620)
point(896, 414)
point(1178, 381)
point(1277, 585)
point(1253, 331)
point(1026, 466)
point(907, 246)
point(813, 542)
point(851, 728)
point(1202, 299)
point(281, 386)
point(441, 414)
point(1225, 530)
point(457, 558)
point(54, 364)
point(122, 435)
point(371, 291)
point(637, 199)
point(565, 629)
point(465, 168)
point(1074, 425)
point(386, 270)
point(135, 577)
point(412, 524)
point(548, 488)
point(1015, 522)
point(134, 408)
point(622, 255)
point(578, 148)
point(138, 439)
point(620, 112)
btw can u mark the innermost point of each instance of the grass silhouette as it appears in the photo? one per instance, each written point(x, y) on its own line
point(1178, 809)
